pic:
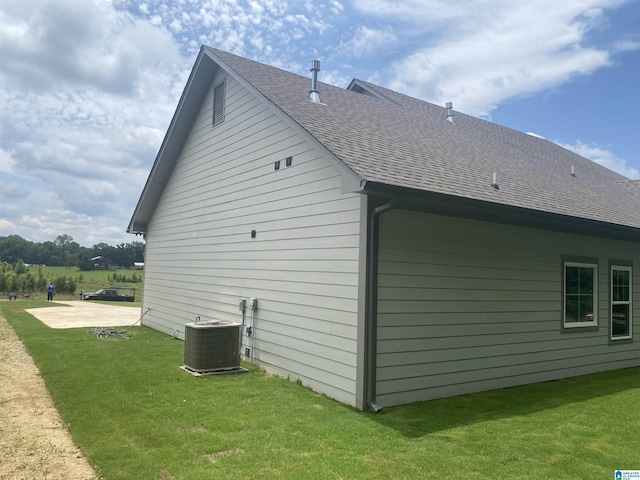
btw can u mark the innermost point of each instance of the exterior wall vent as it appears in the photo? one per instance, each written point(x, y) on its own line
point(218, 103)
point(212, 346)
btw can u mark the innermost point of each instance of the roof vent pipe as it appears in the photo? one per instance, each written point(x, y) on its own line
point(449, 106)
point(494, 184)
point(314, 95)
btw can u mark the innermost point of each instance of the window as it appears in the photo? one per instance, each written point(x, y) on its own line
point(580, 294)
point(620, 302)
point(218, 104)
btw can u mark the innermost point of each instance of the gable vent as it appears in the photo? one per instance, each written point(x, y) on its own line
point(218, 104)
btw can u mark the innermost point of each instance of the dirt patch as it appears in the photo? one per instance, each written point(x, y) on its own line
point(34, 442)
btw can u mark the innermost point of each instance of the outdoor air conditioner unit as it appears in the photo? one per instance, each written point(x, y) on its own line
point(211, 346)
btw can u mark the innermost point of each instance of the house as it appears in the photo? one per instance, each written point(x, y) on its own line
point(102, 263)
point(399, 251)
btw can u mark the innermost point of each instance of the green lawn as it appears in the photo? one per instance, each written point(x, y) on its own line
point(88, 281)
point(137, 415)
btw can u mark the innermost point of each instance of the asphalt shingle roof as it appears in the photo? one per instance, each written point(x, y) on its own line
point(409, 143)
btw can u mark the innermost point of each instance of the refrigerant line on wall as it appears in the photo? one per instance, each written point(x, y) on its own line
point(253, 335)
point(253, 307)
point(247, 331)
point(242, 309)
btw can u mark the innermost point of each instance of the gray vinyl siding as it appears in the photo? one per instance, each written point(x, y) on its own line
point(465, 306)
point(303, 265)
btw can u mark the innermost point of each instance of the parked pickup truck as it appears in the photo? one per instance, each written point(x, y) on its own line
point(111, 294)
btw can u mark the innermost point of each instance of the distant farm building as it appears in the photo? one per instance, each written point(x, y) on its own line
point(102, 263)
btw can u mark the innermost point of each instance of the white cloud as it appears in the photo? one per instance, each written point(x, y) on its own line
point(424, 12)
point(336, 7)
point(481, 54)
point(626, 46)
point(10, 191)
point(6, 162)
point(30, 221)
point(7, 228)
point(367, 41)
point(604, 157)
point(87, 94)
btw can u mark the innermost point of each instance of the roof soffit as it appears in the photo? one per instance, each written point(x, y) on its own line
point(439, 204)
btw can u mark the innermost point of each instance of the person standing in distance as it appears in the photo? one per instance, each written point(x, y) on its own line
point(50, 291)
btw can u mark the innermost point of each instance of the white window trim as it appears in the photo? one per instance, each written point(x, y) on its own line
point(593, 323)
point(630, 302)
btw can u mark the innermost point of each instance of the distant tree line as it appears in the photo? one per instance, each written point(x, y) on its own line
point(64, 252)
point(18, 278)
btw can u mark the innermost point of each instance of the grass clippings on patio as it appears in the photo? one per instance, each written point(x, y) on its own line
point(136, 414)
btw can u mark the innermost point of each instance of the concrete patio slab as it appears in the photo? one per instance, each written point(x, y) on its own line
point(74, 314)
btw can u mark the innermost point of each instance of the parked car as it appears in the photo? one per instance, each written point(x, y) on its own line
point(112, 295)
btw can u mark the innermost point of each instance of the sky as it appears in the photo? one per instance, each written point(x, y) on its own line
point(88, 87)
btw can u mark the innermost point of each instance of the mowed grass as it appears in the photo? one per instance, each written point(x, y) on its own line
point(137, 415)
point(89, 281)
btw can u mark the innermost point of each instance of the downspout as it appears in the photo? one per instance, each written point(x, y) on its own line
point(372, 305)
